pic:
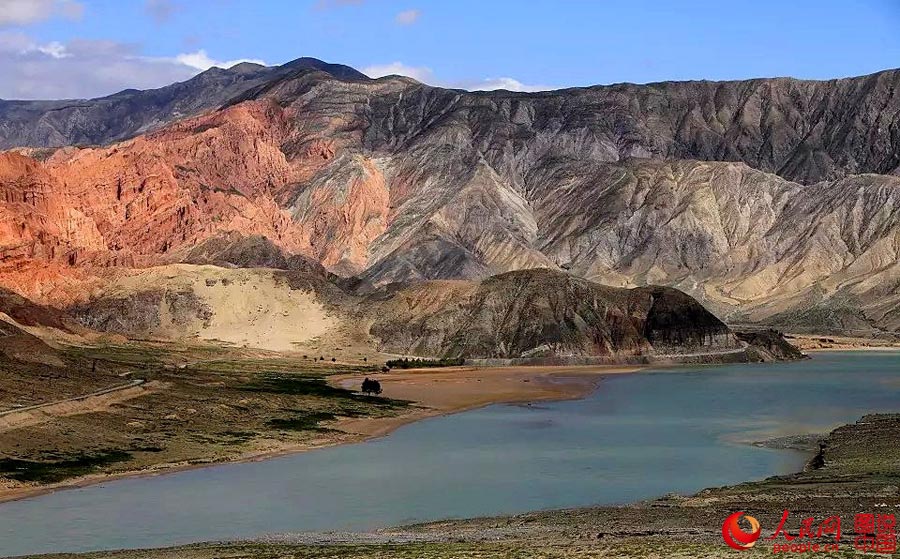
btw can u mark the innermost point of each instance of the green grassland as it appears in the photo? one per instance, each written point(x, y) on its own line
point(215, 404)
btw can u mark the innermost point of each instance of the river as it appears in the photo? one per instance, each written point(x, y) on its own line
point(638, 436)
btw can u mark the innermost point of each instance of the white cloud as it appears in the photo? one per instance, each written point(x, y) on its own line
point(25, 12)
point(408, 17)
point(201, 61)
point(420, 73)
point(54, 49)
point(493, 84)
point(85, 69)
point(92, 68)
point(426, 75)
point(20, 43)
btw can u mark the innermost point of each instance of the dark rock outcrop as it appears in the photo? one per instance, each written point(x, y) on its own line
point(769, 345)
point(140, 312)
point(543, 313)
point(253, 251)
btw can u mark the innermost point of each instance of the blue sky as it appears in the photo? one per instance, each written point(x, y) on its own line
point(89, 47)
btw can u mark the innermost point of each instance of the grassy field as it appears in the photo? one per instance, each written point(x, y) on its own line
point(208, 404)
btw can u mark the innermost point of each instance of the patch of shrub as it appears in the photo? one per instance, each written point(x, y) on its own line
point(299, 387)
point(58, 470)
point(302, 421)
point(406, 363)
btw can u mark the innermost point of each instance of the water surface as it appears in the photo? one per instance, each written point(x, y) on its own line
point(638, 436)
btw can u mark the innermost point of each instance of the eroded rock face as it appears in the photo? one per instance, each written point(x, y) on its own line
point(39, 220)
point(397, 181)
point(803, 130)
point(140, 312)
point(161, 192)
point(769, 345)
point(151, 200)
point(747, 243)
point(543, 313)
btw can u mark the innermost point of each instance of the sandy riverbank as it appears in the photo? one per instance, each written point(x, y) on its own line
point(454, 389)
point(862, 348)
point(433, 392)
point(817, 343)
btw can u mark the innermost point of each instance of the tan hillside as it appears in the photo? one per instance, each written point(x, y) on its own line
point(242, 307)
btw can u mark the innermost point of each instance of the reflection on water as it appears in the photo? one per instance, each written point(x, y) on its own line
point(639, 436)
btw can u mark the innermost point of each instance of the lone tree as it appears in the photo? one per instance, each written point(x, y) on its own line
point(370, 386)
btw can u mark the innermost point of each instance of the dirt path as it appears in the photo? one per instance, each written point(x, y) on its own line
point(87, 403)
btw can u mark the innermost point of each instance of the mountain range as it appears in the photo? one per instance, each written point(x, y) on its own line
point(771, 201)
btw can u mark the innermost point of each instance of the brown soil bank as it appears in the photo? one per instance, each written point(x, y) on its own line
point(856, 471)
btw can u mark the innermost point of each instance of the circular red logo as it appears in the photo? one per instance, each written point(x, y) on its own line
point(735, 537)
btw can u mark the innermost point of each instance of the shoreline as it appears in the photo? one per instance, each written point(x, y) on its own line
point(809, 343)
point(686, 526)
point(861, 349)
point(462, 389)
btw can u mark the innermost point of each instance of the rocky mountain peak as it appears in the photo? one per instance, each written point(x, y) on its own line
point(765, 199)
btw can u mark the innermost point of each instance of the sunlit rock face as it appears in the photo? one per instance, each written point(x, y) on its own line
point(768, 200)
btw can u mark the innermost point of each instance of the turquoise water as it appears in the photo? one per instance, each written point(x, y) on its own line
point(638, 436)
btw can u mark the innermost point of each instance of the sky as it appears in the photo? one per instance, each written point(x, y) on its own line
point(52, 49)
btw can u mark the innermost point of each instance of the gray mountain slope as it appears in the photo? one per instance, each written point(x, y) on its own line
point(132, 112)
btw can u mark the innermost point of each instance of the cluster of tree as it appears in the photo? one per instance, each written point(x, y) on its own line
point(370, 386)
point(417, 363)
